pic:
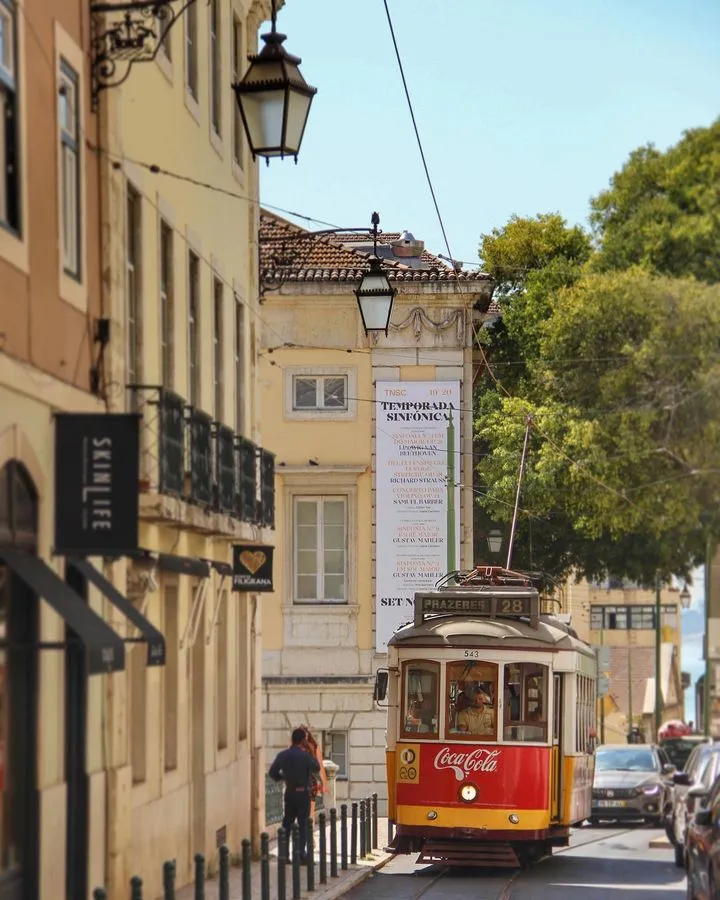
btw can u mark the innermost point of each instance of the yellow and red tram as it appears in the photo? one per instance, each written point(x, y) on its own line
point(491, 725)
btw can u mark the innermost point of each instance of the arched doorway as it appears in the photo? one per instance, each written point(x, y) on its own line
point(19, 833)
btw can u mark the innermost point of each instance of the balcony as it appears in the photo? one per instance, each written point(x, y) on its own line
point(197, 473)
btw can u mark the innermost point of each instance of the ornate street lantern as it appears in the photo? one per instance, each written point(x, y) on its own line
point(494, 540)
point(685, 597)
point(274, 99)
point(375, 298)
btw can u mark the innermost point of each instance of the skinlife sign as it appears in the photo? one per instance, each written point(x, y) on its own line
point(411, 420)
point(97, 462)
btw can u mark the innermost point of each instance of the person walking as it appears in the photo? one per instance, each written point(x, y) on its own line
point(319, 781)
point(297, 768)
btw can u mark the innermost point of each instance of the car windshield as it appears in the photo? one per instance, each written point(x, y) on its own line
point(678, 751)
point(622, 760)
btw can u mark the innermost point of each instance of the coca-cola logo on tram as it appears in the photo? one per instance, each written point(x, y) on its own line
point(464, 763)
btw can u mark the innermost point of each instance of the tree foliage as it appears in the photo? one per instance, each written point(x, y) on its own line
point(620, 370)
point(662, 210)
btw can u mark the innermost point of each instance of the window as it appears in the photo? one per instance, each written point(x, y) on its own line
point(171, 672)
point(9, 131)
point(194, 326)
point(218, 297)
point(669, 616)
point(585, 709)
point(472, 700)
point(191, 50)
point(596, 618)
point(237, 69)
point(526, 702)
point(132, 267)
point(320, 392)
point(642, 617)
point(239, 365)
point(221, 670)
point(70, 185)
point(421, 699)
point(215, 68)
point(167, 311)
point(320, 539)
point(335, 748)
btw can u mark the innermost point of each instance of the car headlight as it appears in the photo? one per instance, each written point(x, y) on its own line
point(650, 789)
point(468, 792)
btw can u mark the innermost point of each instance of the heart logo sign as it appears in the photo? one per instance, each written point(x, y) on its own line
point(253, 560)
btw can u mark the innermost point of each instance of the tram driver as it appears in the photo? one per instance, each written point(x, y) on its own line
point(478, 717)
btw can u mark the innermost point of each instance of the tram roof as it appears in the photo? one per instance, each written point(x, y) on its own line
point(447, 631)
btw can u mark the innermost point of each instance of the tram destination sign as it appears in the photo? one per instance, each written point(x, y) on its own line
point(497, 603)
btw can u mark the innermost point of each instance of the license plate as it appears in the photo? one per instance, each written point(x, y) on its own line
point(607, 804)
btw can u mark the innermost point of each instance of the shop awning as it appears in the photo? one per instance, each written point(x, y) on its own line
point(150, 634)
point(105, 649)
point(184, 565)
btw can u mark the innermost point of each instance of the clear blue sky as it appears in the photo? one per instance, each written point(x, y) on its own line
point(523, 106)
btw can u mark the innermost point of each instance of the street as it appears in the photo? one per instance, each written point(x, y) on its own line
point(599, 861)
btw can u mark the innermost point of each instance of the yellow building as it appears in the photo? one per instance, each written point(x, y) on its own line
point(621, 617)
point(184, 750)
point(334, 403)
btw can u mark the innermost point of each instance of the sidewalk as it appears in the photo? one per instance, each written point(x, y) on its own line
point(334, 888)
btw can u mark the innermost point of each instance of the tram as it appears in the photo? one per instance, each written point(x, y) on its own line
point(491, 724)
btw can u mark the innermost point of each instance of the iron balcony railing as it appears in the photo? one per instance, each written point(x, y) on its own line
point(185, 454)
point(274, 808)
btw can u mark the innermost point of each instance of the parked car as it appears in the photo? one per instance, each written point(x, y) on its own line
point(631, 783)
point(678, 749)
point(690, 787)
point(703, 849)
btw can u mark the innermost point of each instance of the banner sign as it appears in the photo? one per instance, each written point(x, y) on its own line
point(252, 568)
point(97, 469)
point(411, 491)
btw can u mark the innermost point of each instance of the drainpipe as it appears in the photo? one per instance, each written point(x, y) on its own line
point(257, 756)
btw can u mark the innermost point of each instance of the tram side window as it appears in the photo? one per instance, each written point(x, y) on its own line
point(585, 713)
point(472, 699)
point(421, 699)
point(526, 702)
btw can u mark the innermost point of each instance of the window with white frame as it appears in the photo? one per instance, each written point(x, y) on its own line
point(167, 298)
point(218, 300)
point(9, 130)
point(194, 327)
point(320, 392)
point(191, 50)
point(70, 185)
point(132, 273)
point(335, 748)
point(320, 534)
point(237, 67)
point(215, 68)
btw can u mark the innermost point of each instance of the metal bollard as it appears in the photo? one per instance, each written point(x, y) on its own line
point(322, 837)
point(374, 842)
point(136, 888)
point(264, 866)
point(99, 894)
point(199, 876)
point(224, 874)
point(368, 826)
point(296, 861)
point(354, 834)
point(246, 850)
point(282, 857)
point(310, 850)
point(169, 880)
point(333, 843)
point(343, 837)
point(363, 829)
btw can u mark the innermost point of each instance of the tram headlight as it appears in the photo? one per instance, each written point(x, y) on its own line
point(468, 793)
point(513, 819)
point(431, 814)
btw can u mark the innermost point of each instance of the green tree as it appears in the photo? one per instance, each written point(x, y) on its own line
point(623, 391)
point(662, 209)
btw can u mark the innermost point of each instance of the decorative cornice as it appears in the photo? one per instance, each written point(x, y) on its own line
point(418, 320)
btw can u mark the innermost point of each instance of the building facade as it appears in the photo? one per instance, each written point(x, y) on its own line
point(180, 277)
point(622, 617)
point(322, 382)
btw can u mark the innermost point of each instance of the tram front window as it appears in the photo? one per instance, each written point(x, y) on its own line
point(526, 702)
point(421, 700)
point(472, 700)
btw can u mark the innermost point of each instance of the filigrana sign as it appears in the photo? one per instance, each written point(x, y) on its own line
point(411, 424)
